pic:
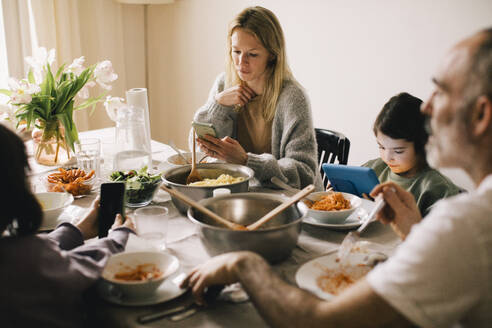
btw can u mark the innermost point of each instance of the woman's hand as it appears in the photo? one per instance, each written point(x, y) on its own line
point(226, 149)
point(236, 95)
point(400, 211)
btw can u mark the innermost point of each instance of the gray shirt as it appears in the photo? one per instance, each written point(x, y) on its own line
point(294, 150)
point(44, 276)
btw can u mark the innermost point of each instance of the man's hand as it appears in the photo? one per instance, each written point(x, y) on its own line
point(220, 270)
point(236, 95)
point(400, 211)
point(226, 149)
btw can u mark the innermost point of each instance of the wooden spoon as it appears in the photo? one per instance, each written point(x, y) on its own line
point(270, 215)
point(194, 176)
point(203, 209)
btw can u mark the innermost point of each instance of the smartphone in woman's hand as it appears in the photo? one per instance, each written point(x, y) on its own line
point(202, 129)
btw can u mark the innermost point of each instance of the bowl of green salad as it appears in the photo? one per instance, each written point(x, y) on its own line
point(140, 185)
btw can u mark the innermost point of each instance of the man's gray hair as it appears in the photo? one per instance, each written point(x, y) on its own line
point(480, 73)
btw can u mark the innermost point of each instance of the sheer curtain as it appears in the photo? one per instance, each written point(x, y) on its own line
point(96, 29)
point(17, 35)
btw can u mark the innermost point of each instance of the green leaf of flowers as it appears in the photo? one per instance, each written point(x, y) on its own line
point(91, 102)
point(60, 70)
point(71, 134)
point(6, 92)
point(30, 77)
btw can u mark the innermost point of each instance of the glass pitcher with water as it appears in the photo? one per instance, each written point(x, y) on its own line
point(132, 140)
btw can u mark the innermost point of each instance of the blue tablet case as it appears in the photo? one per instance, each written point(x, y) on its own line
point(352, 179)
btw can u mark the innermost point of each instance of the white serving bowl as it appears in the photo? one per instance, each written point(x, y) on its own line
point(176, 160)
point(333, 217)
point(53, 204)
point(122, 262)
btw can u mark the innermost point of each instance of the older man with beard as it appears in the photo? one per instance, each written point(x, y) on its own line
point(441, 275)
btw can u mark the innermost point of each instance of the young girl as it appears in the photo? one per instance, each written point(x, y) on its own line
point(401, 137)
point(44, 276)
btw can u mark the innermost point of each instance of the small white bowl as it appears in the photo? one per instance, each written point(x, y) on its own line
point(176, 160)
point(53, 204)
point(333, 217)
point(166, 263)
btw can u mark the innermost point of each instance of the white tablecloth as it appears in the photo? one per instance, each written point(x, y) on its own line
point(183, 242)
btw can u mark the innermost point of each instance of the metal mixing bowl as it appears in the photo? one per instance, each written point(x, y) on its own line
point(175, 178)
point(274, 241)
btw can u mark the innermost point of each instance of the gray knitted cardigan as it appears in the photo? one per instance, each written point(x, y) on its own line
point(294, 150)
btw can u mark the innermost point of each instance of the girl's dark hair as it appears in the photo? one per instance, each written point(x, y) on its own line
point(21, 212)
point(401, 118)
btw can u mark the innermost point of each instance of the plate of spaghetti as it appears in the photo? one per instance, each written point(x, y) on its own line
point(326, 277)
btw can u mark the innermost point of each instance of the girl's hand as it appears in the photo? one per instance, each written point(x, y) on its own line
point(226, 149)
point(88, 225)
point(236, 95)
point(400, 211)
point(118, 222)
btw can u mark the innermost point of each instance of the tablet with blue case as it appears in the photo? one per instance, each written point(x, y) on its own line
point(352, 179)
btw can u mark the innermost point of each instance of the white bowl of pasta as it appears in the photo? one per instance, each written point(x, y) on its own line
point(332, 207)
point(139, 274)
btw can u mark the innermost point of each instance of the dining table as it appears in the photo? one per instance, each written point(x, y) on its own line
point(232, 308)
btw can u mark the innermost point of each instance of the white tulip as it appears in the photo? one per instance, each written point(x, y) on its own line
point(22, 91)
point(41, 57)
point(112, 104)
point(104, 74)
point(76, 67)
point(84, 92)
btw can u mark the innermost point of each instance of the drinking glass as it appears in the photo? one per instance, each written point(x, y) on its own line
point(88, 153)
point(151, 224)
point(107, 155)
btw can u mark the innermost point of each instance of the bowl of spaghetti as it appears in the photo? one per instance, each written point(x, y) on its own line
point(139, 274)
point(332, 207)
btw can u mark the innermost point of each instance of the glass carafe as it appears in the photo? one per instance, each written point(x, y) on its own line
point(132, 140)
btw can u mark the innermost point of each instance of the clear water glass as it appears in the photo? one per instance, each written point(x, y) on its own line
point(151, 223)
point(88, 153)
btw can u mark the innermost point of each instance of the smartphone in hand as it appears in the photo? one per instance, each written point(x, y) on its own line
point(202, 129)
point(112, 202)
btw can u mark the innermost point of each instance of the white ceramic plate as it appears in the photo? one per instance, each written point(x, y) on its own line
point(307, 274)
point(352, 222)
point(167, 291)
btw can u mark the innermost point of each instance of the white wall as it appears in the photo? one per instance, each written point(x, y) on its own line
point(351, 56)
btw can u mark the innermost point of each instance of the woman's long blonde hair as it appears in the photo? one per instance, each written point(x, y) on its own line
point(263, 25)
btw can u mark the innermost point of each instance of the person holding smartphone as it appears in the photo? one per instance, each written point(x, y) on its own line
point(260, 113)
point(45, 275)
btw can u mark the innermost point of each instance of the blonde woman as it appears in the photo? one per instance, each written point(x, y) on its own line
point(261, 114)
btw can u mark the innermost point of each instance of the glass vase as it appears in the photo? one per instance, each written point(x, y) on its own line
point(50, 147)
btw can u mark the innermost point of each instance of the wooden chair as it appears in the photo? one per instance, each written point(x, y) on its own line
point(332, 146)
